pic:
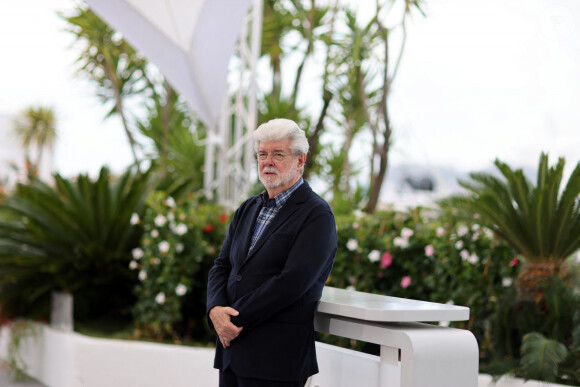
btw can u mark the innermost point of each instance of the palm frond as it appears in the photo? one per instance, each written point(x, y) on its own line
point(539, 222)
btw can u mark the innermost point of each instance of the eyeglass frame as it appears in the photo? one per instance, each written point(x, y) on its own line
point(276, 156)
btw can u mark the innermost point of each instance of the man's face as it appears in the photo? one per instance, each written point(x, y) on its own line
point(278, 169)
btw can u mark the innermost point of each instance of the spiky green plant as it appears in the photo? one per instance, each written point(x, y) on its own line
point(542, 221)
point(74, 237)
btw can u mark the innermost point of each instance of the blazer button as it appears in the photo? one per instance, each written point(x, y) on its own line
point(239, 277)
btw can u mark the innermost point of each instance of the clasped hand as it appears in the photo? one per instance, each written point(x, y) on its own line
point(221, 318)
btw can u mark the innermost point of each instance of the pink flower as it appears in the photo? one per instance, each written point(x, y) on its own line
point(406, 233)
point(429, 250)
point(380, 274)
point(405, 282)
point(514, 262)
point(386, 260)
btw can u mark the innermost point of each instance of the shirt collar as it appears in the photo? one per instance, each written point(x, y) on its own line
point(279, 200)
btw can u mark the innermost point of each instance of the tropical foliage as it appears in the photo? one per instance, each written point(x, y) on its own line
point(73, 237)
point(537, 340)
point(542, 221)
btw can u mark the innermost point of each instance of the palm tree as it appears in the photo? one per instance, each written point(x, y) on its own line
point(36, 127)
point(541, 222)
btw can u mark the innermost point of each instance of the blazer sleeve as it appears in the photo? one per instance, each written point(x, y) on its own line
point(219, 273)
point(309, 262)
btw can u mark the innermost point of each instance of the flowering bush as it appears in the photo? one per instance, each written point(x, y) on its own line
point(432, 259)
point(180, 242)
point(397, 254)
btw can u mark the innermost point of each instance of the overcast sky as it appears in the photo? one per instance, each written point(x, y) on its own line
point(479, 80)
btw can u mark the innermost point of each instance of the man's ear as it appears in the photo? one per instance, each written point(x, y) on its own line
point(301, 160)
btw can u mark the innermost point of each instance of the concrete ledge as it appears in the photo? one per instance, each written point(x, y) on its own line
point(68, 359)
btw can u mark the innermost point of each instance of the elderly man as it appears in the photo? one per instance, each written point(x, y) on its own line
point(265, 284)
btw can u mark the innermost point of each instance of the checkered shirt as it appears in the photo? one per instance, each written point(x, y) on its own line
point(270, 210)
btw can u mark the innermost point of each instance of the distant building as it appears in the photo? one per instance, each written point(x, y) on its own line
point(12, 156)
point(409, 186)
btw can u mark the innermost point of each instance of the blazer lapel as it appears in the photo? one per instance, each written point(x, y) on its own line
point(248, 229)
point(291, 206)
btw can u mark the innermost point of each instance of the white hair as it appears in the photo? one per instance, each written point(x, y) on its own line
point(280, 129)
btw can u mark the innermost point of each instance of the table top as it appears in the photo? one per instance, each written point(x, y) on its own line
point(375, 307)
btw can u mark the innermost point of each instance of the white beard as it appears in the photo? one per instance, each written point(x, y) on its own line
point(278, 179)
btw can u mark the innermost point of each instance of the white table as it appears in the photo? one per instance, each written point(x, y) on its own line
point(413, 354)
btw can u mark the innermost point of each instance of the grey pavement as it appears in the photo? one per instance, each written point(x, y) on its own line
point(6, 378)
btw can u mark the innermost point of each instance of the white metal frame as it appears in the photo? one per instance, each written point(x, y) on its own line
point(229, 154)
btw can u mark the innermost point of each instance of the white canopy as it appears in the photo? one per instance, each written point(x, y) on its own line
point(190, 41)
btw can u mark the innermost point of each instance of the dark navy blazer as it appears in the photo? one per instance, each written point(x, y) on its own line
point(275, 288)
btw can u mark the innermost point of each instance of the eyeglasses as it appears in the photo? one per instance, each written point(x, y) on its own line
point(276, 156)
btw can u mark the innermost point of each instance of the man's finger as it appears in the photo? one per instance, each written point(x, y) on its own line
point(231, 311)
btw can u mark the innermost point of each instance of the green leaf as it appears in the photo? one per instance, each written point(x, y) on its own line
point(540, 357)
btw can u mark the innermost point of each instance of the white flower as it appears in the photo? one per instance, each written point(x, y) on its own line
point(142, 275)
point(450, 302)
point(154, 233)
point(160, 220)
point(464, 254)
point(440, 231)
point(155, 261)
point(352, 244)
point(180, 229)
point(181, 289)
point(164, 246)
point(488, 233)
point(459, 245)
point(160, 298)
point(577, 258)
point(506, 282)
point(179, 247)
point(475, 227)
point(137, 253)
point(358, 214)
point(462, 230)
point(406, 233)
point(133, 265)
point(171, 217)
point(400, 242)
point(134, 219)
point(473, 259)
point(351, 288)
point(374, 256)
point(170, 201)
